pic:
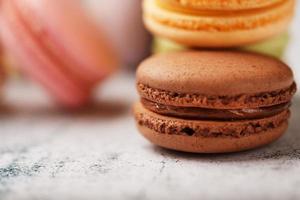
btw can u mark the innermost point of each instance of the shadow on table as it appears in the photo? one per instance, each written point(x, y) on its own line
point(101, 109)
point(287, 147)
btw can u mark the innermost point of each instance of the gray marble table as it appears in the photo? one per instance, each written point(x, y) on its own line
point(97, 153)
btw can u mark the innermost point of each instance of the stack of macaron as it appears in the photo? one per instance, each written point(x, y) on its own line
point(58, 45)
point(209, 99)
point(253, 25)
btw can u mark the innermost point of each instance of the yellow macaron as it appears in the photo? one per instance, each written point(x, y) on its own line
point(217, 23)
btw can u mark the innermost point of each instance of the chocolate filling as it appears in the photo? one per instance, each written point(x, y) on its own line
point(214, 114)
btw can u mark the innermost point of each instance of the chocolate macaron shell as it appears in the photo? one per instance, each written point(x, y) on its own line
point(211, 145)
point(215, 79)
point(209, 136)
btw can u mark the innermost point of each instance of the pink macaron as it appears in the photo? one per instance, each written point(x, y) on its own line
point(57, 44)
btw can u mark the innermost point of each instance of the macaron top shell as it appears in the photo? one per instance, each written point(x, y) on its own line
point(215, 73)
point(215, 79)
point(220, 4)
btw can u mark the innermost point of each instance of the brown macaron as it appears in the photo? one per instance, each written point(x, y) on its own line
point(213, 101)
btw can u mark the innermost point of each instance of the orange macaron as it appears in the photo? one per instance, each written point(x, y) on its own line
point(217, 23)
point(213, 101)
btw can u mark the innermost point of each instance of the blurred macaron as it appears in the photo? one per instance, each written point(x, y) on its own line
point(58, 45)
point(122, 21)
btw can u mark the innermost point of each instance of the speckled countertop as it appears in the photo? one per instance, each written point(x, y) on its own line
point(97, 153)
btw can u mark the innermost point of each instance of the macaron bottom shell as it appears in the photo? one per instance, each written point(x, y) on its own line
point(182, 135)
point(212, 145)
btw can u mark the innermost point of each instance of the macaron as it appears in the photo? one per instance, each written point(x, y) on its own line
point(217, 23)
point(57, 44)
point(213, 101)
point(274, 46)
